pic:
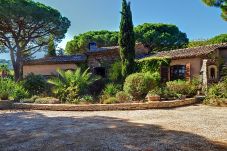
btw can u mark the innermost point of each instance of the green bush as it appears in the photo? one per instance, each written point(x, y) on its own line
point(46, 100)
point(182, 87)
point(110, 100)
point(139, 84)
point(123, 97)
point(35, 84)
point(72, 84)
point(111, 89)
point(87, 99)
point(114, 72)
point(19, 93)
point(167, 94)
point(216, 94)
point(10, 89)
point(215, 102)
point(6, 88)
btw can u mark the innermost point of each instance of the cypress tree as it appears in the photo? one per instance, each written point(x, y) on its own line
point(127, 40)
point(51, 47)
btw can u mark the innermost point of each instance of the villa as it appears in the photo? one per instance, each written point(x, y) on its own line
point(205, 61)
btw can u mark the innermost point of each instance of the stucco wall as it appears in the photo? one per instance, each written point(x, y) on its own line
point(196, 64)
point(46, 69)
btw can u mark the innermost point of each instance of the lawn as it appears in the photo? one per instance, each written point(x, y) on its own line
point(188, 128)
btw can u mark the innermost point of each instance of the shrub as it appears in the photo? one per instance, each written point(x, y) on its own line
point(217, 94)
point(28, 100)
point(46, 100)
point(215, 102)
point(35, 84)
point(6, 88)
point(138, 84)
point(10, 89)
point(182, 87)
point(167, 94)
point(123, 97)
point(86, 99)
point(19, 92)
point(69, 85)
point(114, 72)
point(111, 89)
point(110, 100)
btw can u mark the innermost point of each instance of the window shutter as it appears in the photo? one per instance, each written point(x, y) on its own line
point(188, 72)
point(164, 73)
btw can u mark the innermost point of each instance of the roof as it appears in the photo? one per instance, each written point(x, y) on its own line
point(190, 52)
point(103, 49)
point(138, 47)
point(58, 60)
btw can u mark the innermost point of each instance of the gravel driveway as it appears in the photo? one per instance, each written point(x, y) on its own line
point(188, 128)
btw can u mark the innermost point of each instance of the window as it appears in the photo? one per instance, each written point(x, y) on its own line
point(177, 72)
point(212, 72)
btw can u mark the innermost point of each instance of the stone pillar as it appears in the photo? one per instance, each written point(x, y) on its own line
point(204, 74)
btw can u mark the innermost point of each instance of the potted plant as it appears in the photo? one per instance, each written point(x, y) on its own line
point(153, 95)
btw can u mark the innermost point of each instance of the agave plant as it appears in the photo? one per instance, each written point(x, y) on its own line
point(70, 84)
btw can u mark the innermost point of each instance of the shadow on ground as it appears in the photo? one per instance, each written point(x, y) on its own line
point(29, 131)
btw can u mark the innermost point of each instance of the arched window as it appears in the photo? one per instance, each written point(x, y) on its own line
point(212, 72)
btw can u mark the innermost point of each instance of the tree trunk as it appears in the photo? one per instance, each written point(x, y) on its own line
point(17, 65)
point(18, 70)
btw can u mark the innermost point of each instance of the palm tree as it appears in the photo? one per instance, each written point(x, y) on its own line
point(70, 84)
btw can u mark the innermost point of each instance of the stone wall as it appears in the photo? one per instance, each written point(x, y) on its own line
point(5, 105)
point(106, 107)
point(103, 58)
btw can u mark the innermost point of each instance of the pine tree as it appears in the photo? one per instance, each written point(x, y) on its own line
point(51, 47)
point(127, 40)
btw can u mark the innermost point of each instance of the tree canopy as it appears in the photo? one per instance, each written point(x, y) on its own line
point(127, 40)
point(222, 4)
point(160, 37)
point(25, 27)
point(157, 37)
point(102, 38)
point(51, 47)
point(222, 38)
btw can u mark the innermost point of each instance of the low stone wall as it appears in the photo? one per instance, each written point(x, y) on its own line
point(5, 104)
point(106, 107)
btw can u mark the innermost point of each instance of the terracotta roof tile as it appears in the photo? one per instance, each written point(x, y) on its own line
point(58, 60)
point(190, 52)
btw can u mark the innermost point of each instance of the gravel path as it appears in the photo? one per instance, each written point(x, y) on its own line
point(191, 128)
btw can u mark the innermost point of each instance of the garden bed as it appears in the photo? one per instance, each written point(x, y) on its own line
point(106, 107)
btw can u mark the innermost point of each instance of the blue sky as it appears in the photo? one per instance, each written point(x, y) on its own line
point(191, 16)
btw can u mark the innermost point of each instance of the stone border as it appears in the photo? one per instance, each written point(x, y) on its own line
point(5, 104)
point(106, 107)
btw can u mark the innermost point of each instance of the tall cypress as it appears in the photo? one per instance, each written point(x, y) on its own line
point(51, 47)
point(127, 40)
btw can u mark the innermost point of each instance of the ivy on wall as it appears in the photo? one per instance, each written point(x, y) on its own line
point(152, 64)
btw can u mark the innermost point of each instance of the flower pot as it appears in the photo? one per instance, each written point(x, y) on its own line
point(154, 98)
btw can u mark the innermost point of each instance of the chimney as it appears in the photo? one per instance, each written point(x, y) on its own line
point(92, 46)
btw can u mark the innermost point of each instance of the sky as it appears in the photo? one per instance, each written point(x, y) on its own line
point(194, 18)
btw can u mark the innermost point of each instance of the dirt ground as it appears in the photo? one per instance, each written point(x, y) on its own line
point(194, 128)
